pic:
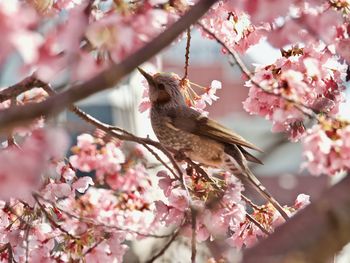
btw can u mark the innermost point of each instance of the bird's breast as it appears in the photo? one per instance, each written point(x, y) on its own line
point(198, 148)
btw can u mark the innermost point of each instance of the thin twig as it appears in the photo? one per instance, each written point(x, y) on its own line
point(194, 231)
point(167, 245)
point(187, 53)
point(18, 217)
point(94, 246)
point(250, 202)
point(15, 90)
point(252, 219)
point(50, 219)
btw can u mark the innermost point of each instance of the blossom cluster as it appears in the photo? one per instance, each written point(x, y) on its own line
point(28, 237)
point(80, 40)
point(65, 216)
point(220, 212)
point(327, 148)
point(247, 233)
point(232, 26)
point(126, 176)
point(306, 78)
point(174, 209)
point(242, 24)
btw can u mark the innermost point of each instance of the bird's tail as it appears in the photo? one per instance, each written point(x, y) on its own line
point(240, 169)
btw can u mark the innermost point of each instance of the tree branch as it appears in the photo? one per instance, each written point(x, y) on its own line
point(106, 79)
point(22, 86)
point(315, 234)
point(167, 245)
point(50, 219)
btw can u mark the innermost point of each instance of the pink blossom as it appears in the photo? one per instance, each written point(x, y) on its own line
point(132, 179)
point(105, 33)
point(49, 64)
point(290, 32)
point(231, 26)
point(17, 34)
point(58, 190)
point(85, 141)
point(216, 222)
point(320, 20)
point(145, 101)
point(307, 77)
point(144, 106)
point(86, 67)
point(85, 158)
point(202, 233)
point(109, 159)
point(301, 201)
point(263, 10)
point(165, 182)
point(117, 249)
point(343, 49)
point(61, 49)
point(99, 254)
point(167, 214)
point(40, 254)
point(65, 171)
point(19, 180)
point(82, 184)
point(178, 199)
point(209, 95)
point(73, 29)
point(326, 149)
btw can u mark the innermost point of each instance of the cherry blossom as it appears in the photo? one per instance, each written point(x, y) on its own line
point(18, 34)
point(304, 75)
point(82, 184)
point(326, 148)
point(34, 153)
point(247, 233)
point(105, 32)
point(232, 26)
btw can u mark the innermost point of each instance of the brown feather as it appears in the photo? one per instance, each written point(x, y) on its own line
point(249, 156)
point(187, 119)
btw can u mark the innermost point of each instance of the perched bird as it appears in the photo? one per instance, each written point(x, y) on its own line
point(200, 138)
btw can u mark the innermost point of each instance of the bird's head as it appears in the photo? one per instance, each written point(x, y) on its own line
point(163, 87)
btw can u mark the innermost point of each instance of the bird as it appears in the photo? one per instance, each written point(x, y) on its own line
point(203, 140)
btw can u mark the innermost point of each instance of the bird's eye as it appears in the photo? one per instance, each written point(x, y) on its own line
point(161, 86)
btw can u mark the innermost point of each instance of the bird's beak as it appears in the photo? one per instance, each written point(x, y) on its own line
point(147, 76)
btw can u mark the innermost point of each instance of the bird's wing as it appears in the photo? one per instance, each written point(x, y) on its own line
point(189, 120)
